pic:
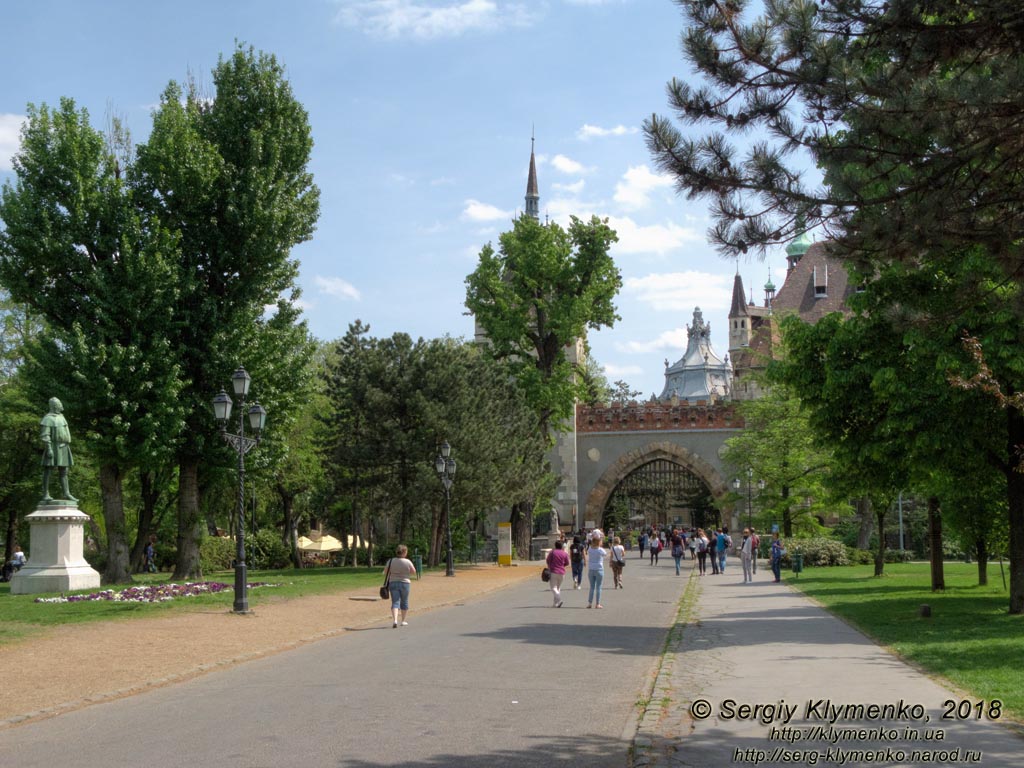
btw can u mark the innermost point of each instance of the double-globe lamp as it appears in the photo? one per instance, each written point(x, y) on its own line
point(240, 381)
point(445, 466)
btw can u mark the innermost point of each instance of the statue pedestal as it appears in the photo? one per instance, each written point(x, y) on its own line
point(57, 564)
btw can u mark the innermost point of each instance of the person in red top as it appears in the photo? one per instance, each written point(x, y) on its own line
point(558, 561)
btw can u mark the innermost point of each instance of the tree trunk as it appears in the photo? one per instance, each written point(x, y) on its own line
point(12, 532)
point(190, 522)
point(145, 528)
point(981, 552)
point(118, 569)
point(935, 541)
point(436, 533)
point(880, 553)
point(1015, 497)
point(867, 523)
point(288, 526)
point(787, 515)
point(521, 518)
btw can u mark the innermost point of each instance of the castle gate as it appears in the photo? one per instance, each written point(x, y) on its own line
point(652, 463)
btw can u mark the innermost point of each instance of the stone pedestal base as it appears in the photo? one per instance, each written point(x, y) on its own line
point(57, 541)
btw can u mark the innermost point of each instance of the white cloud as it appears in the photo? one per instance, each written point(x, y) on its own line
point(567, 165)
point(681, 291)
point(335, 286)
point(668, 340)
point(653, 238)
point(421, 20)
point(634, 191)
point(477, 211)
point(433, 229)
point(10, 139)
point(610, 369)
point(442, 181)
point(589, 131)
point(573, 189)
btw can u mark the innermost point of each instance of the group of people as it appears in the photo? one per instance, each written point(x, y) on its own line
point(716, 543)
point(591, 557)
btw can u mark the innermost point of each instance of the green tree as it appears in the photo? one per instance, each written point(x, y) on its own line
point(909, 108)
point(778, 444)
point(534, 297)
point(77, 251)
point(230, 176)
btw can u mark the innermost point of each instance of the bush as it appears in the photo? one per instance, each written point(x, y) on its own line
point(268, 552)
point(821, 551)
point(898, 555)
point(860, 556)
point(216, 553)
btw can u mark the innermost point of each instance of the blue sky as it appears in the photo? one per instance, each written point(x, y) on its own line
point(421, 112)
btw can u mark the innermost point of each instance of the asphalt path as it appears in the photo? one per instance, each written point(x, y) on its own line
point(501, 680)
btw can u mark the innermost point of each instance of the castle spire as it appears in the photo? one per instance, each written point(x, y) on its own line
point(532, 195)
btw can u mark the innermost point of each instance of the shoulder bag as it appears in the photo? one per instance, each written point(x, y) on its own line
point(385, 592)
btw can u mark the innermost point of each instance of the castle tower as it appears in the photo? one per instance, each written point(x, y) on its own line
point(739, 318)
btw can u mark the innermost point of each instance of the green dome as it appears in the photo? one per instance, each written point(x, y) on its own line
point(798, 247)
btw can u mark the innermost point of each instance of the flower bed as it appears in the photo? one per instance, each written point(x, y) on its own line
point(156, 593)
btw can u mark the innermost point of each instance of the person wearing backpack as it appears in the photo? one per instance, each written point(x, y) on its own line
point(702, 551)
point(724, 543)
point(713, 550)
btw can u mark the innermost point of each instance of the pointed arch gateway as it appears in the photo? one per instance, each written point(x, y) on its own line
point(664, 468)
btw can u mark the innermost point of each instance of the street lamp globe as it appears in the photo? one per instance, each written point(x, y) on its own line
point(240, 381)
point(257, 417)
point(222, 407)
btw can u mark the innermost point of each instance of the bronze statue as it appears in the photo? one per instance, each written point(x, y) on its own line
point(56, 439)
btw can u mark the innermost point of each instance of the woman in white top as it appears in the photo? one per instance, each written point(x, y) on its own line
point(746, 555)
point(618, 560)
point(595, 567)
point(400, 571)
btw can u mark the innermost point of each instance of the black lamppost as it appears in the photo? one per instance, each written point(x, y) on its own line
point(257, 420)
point(445, 466)
point(750, 501)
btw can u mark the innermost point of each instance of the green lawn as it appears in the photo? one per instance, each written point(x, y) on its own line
point(970, 638)
point(21, 616)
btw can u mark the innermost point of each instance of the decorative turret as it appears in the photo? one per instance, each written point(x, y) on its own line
point(769, 290)
point(739, 317)
point(798, 247)
point(699, 374)
point(532, 193)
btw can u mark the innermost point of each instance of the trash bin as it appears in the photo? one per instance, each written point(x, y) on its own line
point(798, 562)
point(417, 562)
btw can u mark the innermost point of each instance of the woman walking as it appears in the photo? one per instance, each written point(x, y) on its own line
point(557, 561)
point(618, 560)
point(702, 551)
point(399, 572)
point(595, 568)
point(677, 548)
point(655, 549)
point(578, 558)
point(746, 555)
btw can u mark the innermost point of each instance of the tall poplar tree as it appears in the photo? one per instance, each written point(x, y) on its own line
point(538, 294)
point(230, 175)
